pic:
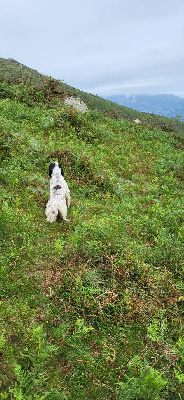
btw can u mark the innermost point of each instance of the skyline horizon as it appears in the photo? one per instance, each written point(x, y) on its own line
point(111, 92)
point(102, 47)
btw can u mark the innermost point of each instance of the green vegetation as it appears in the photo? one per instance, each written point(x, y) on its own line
point(92, 308)
point(43, 88)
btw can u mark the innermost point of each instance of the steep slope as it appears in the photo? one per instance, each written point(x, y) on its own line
point(92, 308)
point(43, 88)
point(12, 71)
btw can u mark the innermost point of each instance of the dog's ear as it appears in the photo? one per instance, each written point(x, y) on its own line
point(51, 167)
point(62, 172)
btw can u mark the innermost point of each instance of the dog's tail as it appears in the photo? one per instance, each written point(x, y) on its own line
point(51, 211)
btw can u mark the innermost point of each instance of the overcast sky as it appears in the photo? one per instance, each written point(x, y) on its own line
point(100, 46)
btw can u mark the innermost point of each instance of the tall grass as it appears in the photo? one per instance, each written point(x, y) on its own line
point(91, 309)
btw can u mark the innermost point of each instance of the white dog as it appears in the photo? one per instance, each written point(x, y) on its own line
point(59, 194)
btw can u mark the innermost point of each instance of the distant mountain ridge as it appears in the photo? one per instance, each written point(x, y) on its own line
point(167, 105)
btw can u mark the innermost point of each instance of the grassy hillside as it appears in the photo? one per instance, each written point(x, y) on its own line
point(91, 308)
point(43, 88)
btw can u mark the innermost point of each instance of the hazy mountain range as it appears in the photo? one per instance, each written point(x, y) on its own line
point(167, 105)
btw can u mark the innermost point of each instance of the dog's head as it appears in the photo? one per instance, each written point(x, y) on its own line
point(52, 166)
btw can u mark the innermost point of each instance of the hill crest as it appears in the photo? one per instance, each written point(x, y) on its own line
point(13, 72)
